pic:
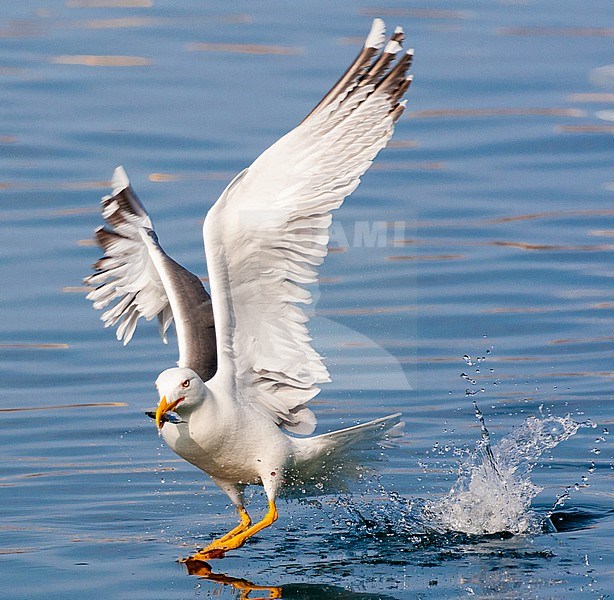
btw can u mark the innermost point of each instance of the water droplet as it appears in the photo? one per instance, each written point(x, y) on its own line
point(468, 360)
point(596, 451)
point(466, 377)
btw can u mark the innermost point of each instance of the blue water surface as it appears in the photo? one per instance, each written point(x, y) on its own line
point(490, 223)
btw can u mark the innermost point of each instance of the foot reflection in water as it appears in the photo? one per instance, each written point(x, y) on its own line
point(296, 591)
point(203, 570)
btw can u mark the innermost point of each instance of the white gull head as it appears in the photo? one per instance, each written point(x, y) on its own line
point(180, 390)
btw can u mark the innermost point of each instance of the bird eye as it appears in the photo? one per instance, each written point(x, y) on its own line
point(185, 383)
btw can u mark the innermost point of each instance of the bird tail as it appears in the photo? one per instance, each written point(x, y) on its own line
point(327, 463)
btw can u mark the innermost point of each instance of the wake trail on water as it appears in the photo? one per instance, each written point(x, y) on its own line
point(492, 495)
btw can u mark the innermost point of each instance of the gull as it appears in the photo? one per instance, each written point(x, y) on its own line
point(236, 404)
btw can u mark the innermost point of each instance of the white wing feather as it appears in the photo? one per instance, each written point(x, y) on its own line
point(127, 272)
point(143, 281)
point(268, 232)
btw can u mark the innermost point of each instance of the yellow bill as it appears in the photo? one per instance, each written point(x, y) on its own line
point(163, 408)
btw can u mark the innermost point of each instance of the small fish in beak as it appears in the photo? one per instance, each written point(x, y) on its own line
point(164, 408)
point(167, 417)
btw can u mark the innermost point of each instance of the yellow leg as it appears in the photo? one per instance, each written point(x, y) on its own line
point(245, 523)
point(219, 547)
point(238, 540)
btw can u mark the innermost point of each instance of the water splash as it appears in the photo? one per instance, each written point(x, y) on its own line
point(494, 491)
point(492, 494)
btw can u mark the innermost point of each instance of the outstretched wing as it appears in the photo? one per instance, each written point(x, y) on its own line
point(143, 281)
point(268, 233)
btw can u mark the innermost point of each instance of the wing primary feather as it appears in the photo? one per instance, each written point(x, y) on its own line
point(393, 81)
point(373, 43)
point(380, 67)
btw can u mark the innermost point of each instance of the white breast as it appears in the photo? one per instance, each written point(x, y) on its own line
point(243, 446)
